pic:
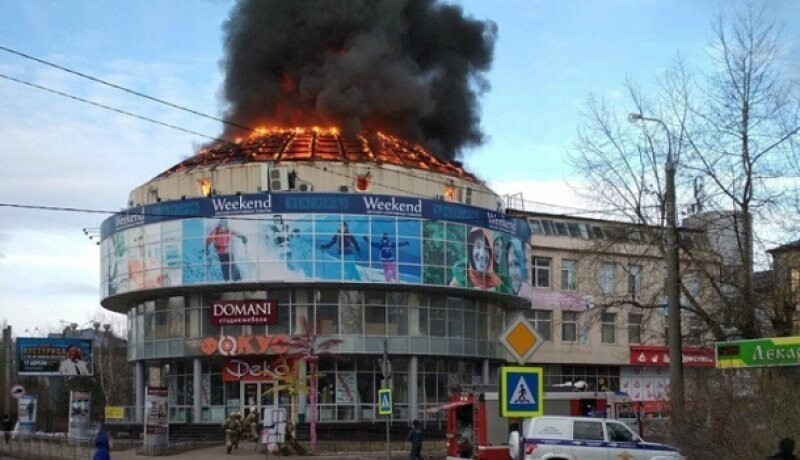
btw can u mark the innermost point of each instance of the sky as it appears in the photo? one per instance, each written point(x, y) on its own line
point(54, 151)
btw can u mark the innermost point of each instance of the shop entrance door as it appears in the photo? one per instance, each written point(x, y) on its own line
point(258, 396)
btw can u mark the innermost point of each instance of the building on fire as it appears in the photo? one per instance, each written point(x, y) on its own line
point(369, 239)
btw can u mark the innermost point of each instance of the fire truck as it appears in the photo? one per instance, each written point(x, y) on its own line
point(476, 430)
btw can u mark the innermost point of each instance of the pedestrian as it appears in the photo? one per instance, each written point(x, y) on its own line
point(513, 442)
point(102, 446)
point(785, 450)
point(7, 426)
point(415, 436)
point(232, 427)
point(250, 425)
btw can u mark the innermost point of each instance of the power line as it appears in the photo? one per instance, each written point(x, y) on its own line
point(122, 88)
point(108, 107)
point(247, 128)
point(154, 99)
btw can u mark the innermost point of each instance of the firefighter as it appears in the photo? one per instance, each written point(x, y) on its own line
point(232, 428)
point(250, 425)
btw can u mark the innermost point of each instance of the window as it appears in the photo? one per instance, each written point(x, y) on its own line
point(634, 328)
point(692, 284)
point(618, 432)
point(608, 327)
point(569, 326)
point(597, 233)
point(561, 229)
point(634, 279)
point(536, 227)
point(541, 322)
point(548, 227)
point(541, 271)
point(575, 230)
point(794, 279)
point(696, 329)
point(568, 276)
point(588, 431)
point(607, 275)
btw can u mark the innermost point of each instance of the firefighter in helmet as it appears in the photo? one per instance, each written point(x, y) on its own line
point(232, 428)
point(250, 425)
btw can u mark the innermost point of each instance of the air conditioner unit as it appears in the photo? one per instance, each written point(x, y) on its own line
point(344, 188)
point(305, 187)
point(278, 179)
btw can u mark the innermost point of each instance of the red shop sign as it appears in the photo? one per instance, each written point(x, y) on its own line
point(231, 312)
point(252, 369)
point(654, 355)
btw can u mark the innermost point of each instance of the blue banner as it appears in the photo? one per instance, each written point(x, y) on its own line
point(301, 203)
point(54, 356)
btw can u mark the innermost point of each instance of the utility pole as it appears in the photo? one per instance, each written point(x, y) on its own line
point(385, 383)
point(673, 298)
point(7, 358)
point(672, 285)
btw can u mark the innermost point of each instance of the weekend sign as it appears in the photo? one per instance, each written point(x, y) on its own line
point(777, 351)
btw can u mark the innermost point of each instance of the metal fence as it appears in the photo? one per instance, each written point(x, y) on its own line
point(45, 446)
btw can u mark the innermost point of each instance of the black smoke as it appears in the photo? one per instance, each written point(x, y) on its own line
point(413, 68)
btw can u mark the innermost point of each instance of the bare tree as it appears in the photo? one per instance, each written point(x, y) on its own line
point(733, 130)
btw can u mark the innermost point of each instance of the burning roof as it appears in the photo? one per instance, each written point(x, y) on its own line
point(318, 145)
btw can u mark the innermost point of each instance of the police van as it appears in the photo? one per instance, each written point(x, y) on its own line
point(587, 438)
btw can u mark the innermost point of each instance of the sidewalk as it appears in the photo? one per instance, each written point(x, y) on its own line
point(246, 451)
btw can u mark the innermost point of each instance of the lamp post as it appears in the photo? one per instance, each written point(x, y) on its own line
point(673, 275)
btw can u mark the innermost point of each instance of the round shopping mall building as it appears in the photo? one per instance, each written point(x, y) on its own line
point(369, 239)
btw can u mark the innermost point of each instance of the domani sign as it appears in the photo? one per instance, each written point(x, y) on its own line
point(227, 312)
point(778, 351)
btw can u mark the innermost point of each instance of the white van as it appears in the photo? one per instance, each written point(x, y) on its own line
point(587, 438)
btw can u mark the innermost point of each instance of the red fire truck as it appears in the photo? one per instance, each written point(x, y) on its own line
point(476, 430)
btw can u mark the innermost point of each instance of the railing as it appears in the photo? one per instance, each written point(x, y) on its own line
point(45, 446)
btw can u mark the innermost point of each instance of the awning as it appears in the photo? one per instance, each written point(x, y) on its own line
point(448, 406)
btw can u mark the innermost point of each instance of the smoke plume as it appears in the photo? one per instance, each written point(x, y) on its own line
point(412, 68)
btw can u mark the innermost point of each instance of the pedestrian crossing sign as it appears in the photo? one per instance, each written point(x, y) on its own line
point(521, 391)
point(385, 401)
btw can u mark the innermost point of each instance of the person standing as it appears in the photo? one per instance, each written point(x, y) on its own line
point(785, 450)
point(386, 248)
point(415, 436)
point(7, 426)
point(102, 446)
point(221, 237)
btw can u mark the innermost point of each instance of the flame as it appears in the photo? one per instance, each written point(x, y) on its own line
point(205, 186)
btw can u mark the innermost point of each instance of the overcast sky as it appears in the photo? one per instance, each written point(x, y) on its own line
point(58, 152)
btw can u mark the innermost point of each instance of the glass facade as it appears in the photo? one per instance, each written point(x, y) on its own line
point(415, 323)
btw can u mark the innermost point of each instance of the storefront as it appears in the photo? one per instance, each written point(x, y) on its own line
point(215, 286)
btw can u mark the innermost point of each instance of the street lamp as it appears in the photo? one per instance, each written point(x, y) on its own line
point(673, 271)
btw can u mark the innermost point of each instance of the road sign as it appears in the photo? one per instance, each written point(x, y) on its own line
point(521, 391)
point(777, 351)
point(17, 391)
point(385, 401)
point(521, 339)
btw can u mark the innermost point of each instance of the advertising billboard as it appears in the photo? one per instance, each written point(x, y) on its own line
point(315, 237)
point(54, 356)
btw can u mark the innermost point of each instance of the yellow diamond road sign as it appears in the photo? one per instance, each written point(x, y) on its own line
point(521, 339)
